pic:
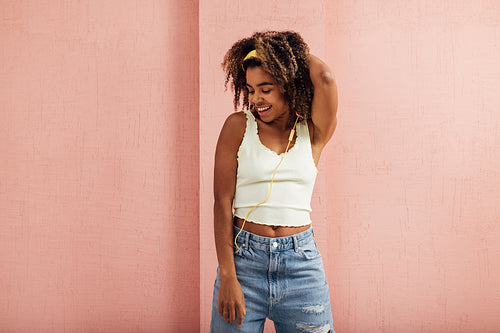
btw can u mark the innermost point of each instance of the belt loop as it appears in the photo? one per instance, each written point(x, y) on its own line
point(247, 240)
point(295, 244)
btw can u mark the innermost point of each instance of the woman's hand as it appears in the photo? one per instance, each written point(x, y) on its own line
point(231, 301)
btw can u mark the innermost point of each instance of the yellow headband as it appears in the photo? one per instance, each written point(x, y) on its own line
point(251, 55)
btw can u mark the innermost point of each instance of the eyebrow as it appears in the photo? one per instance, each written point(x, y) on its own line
point(261, 84)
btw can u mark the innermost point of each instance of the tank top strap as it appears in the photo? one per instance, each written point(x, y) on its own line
point(303, 133)
point(251, 130)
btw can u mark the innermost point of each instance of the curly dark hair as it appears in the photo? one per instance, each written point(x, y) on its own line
point(284, 55)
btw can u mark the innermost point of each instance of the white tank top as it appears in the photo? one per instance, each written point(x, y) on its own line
point(290, 201)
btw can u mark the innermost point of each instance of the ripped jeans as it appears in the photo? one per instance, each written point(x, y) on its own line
point(283, 280)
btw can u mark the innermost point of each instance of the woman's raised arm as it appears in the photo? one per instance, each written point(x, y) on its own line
point(324, 103)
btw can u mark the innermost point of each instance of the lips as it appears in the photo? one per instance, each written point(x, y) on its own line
point(262, 110)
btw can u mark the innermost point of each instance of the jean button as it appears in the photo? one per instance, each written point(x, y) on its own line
point(275, 244)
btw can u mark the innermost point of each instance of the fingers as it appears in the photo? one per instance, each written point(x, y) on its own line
point(241, 312)
point(221, 309)
point(232, 312)
point(227, 312)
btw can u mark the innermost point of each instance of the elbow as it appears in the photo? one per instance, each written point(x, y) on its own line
point(326, 78)
point(218, 202)
point(324, 81)
point(222, 202)
point(321, 74)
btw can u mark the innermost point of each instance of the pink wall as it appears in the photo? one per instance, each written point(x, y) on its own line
point(414, 169)
point(110, 113)
point(99, 166)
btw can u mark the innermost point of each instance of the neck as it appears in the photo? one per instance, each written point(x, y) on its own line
point(283, 123)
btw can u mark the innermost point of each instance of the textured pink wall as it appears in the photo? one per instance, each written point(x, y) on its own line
point(99, 166)
point(108, 126)
point(414, 169)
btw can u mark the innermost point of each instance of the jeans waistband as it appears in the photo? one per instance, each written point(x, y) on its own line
point(247, 239)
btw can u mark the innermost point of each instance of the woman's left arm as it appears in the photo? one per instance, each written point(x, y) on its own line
point(324, 103)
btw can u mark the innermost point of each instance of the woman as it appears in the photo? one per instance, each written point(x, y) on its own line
point(265, 168)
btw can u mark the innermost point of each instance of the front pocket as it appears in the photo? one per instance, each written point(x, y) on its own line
point(243, 252)
point(309, 250)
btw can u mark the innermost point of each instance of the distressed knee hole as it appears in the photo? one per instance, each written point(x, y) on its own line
point(313, 309)
point(314, 329)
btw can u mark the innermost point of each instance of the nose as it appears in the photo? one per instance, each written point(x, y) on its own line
point(255, 97)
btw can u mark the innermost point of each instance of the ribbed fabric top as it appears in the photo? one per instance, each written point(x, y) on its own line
point(290, 201)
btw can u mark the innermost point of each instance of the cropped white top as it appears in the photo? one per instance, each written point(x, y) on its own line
point(290, 200)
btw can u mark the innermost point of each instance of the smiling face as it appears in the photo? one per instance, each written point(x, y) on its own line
point(265, 95)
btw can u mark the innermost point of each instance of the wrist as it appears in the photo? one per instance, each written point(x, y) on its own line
point(227, 275)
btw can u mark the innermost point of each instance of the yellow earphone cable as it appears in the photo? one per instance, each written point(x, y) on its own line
point(290, 138)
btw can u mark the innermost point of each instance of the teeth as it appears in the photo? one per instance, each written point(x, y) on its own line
point(263, 108)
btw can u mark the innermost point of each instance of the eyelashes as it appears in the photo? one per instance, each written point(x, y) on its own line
point(263, 91)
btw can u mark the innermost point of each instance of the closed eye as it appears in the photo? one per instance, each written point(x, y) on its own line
point(265, 91)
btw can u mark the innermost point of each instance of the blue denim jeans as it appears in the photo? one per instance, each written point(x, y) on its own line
point(283, 280)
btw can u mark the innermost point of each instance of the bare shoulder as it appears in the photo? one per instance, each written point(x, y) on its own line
point(233, 130)
point(236, 121)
